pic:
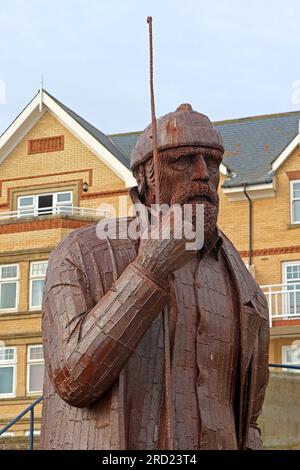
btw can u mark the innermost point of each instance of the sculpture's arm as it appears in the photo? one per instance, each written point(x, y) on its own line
point(87, 345)
point(85, 355)
point(254, 440)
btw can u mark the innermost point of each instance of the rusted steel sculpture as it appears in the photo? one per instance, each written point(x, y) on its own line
point(104, 335)
point(149, 345)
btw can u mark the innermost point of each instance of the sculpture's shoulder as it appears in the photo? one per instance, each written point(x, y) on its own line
point(81, 243)
point(248, 287)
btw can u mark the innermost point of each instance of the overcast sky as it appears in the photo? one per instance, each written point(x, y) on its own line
point(226, 57)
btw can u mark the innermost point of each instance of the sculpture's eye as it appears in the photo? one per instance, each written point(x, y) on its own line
point(181, 163)
point(212, 165)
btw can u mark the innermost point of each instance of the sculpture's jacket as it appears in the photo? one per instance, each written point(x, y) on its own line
point(104, 344)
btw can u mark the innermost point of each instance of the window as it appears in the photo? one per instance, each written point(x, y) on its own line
point(9, 281)
point(295, 201)
point(8, 364)
point(37, 277)
point(43, 204)
point(35, 369)
point(291, 276)
point(291, 356)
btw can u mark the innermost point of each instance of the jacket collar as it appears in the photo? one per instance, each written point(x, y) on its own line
point(246, 284)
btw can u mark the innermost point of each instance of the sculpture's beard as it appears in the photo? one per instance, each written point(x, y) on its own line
point(200, 193)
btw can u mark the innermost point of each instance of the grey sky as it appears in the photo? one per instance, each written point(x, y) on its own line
point(226, 57)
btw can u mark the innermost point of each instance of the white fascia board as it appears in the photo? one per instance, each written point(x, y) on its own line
point(256, 191)
point(89, 141)
point(286, 152)
point(19, 128)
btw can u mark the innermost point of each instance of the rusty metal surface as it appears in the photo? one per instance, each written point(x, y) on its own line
point(127, 415)
point(105, 340)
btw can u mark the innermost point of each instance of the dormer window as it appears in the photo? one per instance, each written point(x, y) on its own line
point(45, 204)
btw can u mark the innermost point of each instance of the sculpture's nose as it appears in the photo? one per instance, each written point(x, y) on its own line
point(200, 169)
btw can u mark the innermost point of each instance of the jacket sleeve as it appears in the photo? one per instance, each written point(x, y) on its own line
point(87, 345)
point(254, 441)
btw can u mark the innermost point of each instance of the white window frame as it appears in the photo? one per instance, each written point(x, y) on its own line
point(31, 362)
point(285, 349)
point(285, 264)
point(34, 278)
point(9, 280)
point(35, 209)
point(292, 200)
point(10, 363)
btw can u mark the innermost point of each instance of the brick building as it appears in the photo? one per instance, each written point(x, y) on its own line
point(57, 170)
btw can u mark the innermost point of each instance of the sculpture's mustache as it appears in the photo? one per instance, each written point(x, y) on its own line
point(195, 192)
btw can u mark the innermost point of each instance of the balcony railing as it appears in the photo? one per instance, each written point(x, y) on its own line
point(54, 210)
point(283, 301)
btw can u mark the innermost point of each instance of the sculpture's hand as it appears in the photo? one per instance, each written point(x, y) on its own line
point(165, 248)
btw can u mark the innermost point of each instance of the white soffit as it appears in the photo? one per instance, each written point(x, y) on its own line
point(256, 191)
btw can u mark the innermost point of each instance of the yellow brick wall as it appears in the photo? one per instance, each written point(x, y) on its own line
point(75, 156)
point(25, 240)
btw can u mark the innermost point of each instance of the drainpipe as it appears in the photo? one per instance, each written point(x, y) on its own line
point(250, 224)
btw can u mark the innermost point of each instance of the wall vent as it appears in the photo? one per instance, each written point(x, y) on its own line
point(46, 144)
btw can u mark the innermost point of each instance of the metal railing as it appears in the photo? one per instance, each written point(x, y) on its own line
point(285, 366)
point(31, 407)
point(283, 301)
point(55, 210)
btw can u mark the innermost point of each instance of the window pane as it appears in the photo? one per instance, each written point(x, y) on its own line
point(8, 295)
point(296, 211)
point(64, 197)
point(7, 354)
point(293, 355)
point(26, 201)
point(6, 379)
point(38, 269)
point(8, 272)
point(37, 292)
point(36, 377)
point(36, 352)
point(293, 272)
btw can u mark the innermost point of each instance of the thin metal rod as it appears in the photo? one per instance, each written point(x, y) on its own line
point(153, 117)
point(167, 359)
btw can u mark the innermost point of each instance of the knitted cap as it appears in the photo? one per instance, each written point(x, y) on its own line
point(181, 128)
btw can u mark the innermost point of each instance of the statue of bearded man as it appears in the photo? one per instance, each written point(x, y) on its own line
point(149, 345)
